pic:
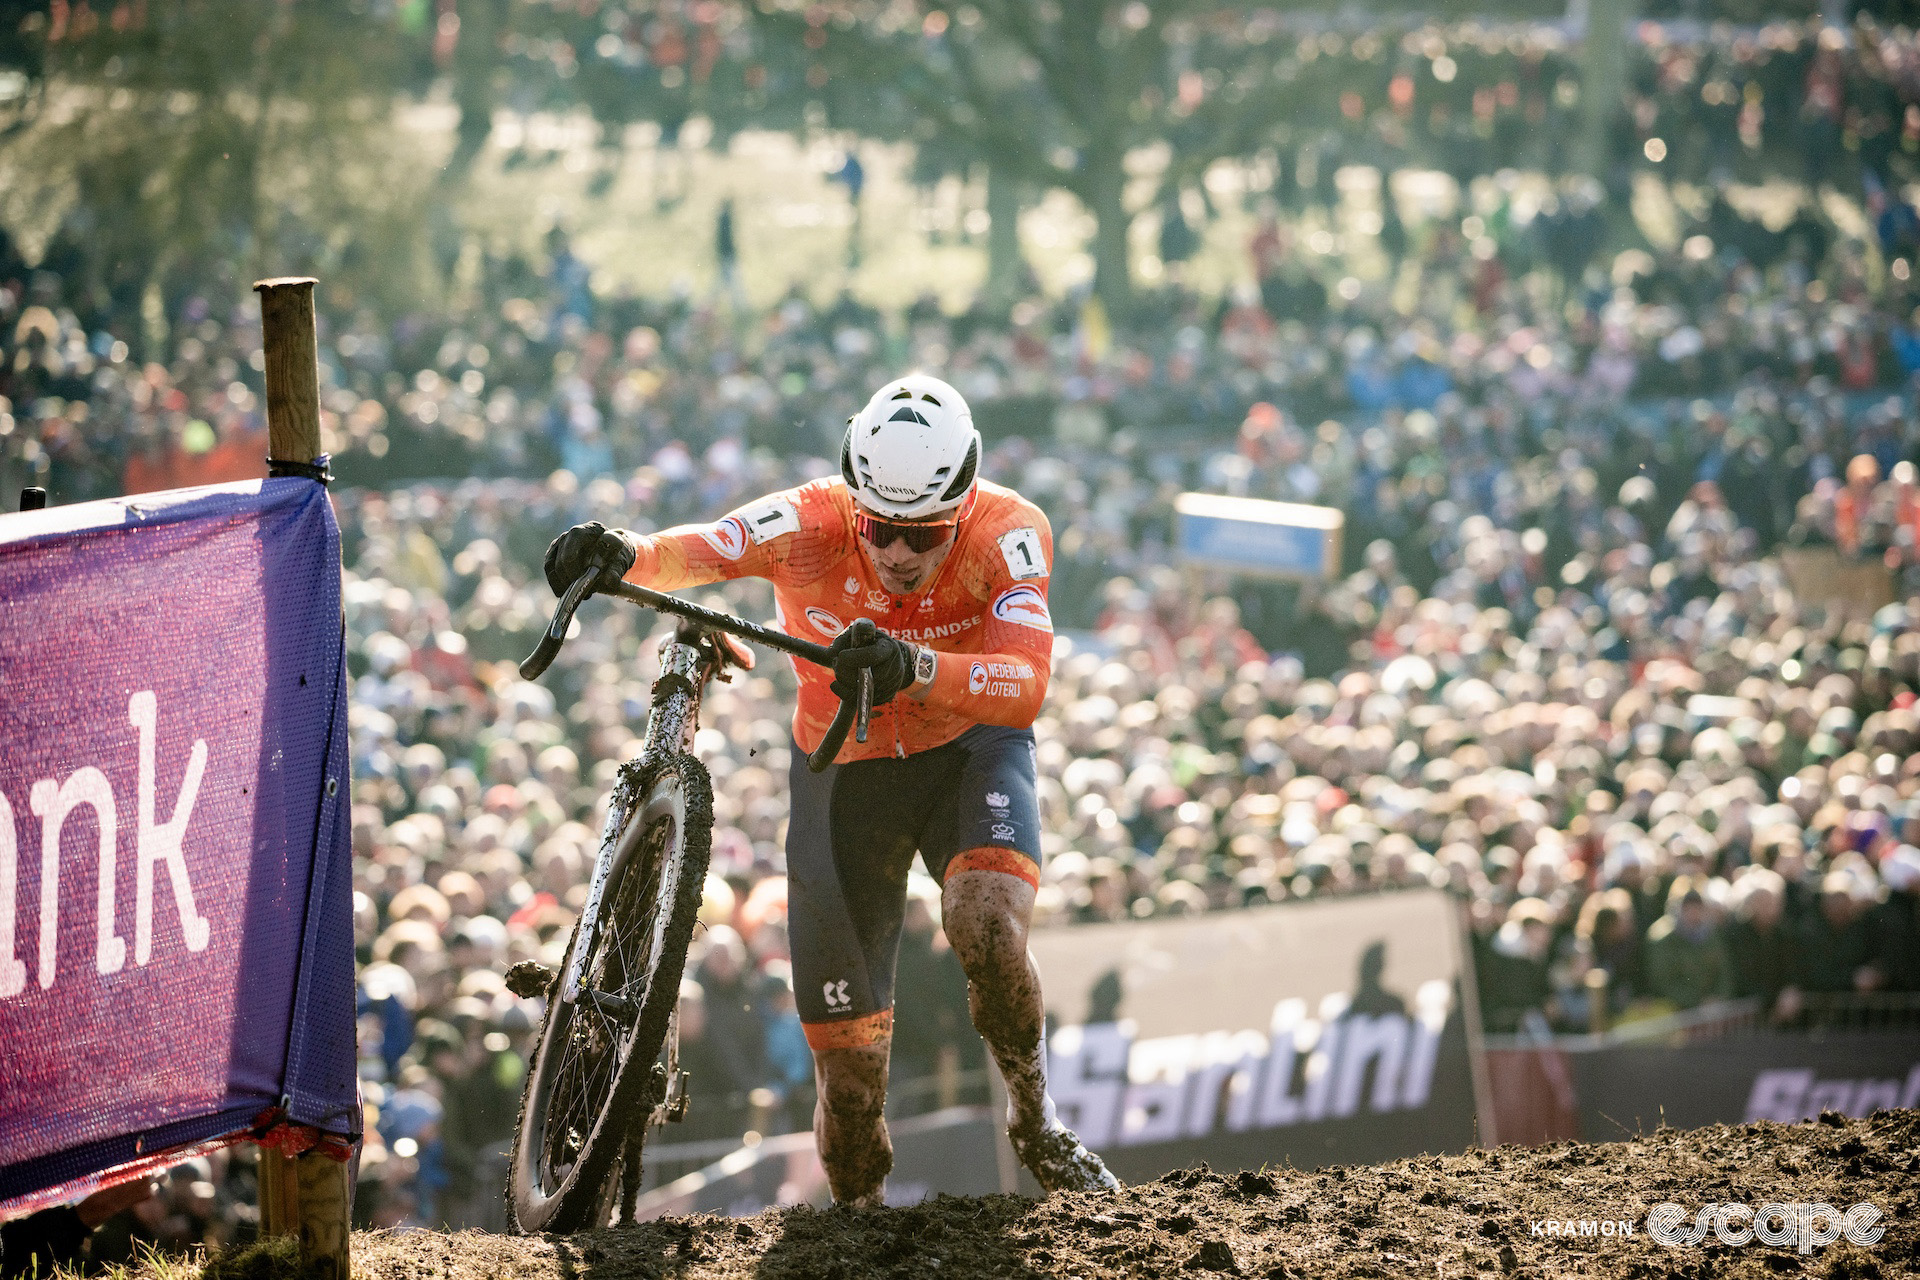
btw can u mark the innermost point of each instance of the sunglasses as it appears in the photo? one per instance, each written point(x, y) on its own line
point(921, 536)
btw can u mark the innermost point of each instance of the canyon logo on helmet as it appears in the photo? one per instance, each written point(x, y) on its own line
point(912, 452)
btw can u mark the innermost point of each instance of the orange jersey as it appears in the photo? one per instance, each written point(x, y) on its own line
point(984, 611)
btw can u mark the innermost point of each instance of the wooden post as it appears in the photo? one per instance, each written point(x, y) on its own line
point(293, 367)
point(308, 1195)
point(1599, 1012)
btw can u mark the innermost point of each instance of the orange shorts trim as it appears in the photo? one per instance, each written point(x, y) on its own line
point(993, 858)
point(856, 1033)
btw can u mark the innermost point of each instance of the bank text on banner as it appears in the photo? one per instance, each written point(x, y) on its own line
point(176, 958)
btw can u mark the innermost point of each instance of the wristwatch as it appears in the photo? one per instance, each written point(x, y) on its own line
point(925, 663)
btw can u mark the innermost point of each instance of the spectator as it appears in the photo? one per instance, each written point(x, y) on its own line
point(1897, 920)
point(1762, 946)
point(53, 1238)
point(1686, 957)
point(734, 1033)
point(1513, 972)
point(1837, 948)
point(932, 1029)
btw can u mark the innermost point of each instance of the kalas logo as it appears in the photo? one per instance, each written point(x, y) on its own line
point(976, 677)
point(729, 537)
point(824, 622)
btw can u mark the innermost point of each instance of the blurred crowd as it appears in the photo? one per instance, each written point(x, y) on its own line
point(1358, 303)
point(1564, 672)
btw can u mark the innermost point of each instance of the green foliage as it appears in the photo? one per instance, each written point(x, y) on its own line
point(216, 137)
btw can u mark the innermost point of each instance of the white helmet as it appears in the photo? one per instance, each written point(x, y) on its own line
point(913, 450)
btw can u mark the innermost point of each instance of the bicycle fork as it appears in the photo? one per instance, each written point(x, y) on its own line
point(679, 666)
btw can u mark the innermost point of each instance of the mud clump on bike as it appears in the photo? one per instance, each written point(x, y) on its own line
point(1473, 1214)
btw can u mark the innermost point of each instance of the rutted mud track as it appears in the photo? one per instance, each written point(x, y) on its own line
point(1468, 1215)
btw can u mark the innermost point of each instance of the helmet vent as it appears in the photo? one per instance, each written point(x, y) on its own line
point(903, 394)
point(964, 479)
point(929, 399)
point(906, 414)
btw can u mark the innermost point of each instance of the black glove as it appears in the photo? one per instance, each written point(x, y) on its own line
point(583, 546)
point(889, 658)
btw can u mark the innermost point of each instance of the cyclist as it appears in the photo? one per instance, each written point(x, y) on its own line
point(953, 569)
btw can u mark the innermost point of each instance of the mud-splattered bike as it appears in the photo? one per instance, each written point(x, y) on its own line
point(605, 1069)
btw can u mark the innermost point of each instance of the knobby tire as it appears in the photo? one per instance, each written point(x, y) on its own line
point(583, 1199)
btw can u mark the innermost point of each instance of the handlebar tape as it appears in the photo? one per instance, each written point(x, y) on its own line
point(851, 709)
point(542, 657)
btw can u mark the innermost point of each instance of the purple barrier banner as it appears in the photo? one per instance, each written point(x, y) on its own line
point(176, 937)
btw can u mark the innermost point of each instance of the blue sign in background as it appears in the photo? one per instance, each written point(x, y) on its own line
point(1253, 546)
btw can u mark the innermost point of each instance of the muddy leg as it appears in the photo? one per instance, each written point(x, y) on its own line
point(985, 915)
point(849, 1122)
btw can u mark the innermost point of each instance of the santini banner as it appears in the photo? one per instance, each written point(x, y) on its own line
point(1325, 1032)
point(176, 938)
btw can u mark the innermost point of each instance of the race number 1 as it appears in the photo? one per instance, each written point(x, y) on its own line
point(770, 519)
point(1021, 547)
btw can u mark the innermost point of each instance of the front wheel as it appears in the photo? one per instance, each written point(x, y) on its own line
point(591, 1082)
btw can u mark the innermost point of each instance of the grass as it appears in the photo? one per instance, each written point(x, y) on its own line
point(272, 1259)
point(644, 215)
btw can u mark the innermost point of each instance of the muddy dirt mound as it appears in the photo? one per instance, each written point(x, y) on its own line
point(1569, 1209)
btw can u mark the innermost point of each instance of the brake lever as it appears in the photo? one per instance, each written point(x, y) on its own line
point(549, 648)
point(853, 711)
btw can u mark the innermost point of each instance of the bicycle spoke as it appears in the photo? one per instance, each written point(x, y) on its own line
point(592, 1050)
point(633, 936)
point(576, 1099)
point(638, 909)
point(563, 1111)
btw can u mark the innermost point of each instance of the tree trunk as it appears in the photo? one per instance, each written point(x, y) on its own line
point(1004, 263)
point(1603, 76)
point(1101, 188)
point(475, 63)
